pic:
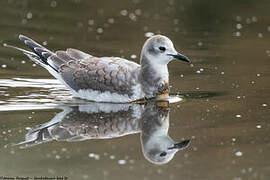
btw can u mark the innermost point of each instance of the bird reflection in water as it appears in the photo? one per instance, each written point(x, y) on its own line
point(105, 121)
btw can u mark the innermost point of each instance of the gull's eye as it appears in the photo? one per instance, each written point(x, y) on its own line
point(162, 48)
point(163, 154)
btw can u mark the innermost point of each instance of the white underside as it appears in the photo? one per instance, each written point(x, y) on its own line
point(98, 96)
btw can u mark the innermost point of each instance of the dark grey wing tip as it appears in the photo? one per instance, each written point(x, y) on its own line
point(39, 50)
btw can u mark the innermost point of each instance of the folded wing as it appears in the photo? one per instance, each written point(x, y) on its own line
point(112, 74)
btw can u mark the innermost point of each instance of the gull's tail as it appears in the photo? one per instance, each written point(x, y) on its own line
point(44, 132)
point(40, 54)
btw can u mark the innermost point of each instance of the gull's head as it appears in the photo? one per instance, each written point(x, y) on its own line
point(160, 50)
point(162, 149)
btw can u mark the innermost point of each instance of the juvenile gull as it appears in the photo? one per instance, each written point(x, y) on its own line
point(109, 79)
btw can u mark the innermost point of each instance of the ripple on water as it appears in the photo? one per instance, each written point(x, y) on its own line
point(27, 94)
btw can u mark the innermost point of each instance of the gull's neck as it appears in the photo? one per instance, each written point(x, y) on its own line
point(154, 77)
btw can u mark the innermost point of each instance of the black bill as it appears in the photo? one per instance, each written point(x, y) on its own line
point(180, 57)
